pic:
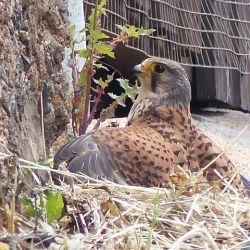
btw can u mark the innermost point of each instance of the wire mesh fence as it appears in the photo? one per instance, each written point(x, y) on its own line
point(204, 33)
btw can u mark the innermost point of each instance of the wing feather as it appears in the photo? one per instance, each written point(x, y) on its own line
point(92, 158)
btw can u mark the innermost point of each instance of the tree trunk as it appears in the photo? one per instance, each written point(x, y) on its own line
point(33, 90)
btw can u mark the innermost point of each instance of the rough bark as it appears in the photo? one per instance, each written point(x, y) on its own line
point(33, 35)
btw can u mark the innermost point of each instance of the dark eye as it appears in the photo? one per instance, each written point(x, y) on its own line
point(160, 68)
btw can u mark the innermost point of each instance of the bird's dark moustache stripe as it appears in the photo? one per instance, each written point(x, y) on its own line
point(153, 82)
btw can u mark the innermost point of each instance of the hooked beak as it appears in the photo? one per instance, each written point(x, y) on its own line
point(137, 70)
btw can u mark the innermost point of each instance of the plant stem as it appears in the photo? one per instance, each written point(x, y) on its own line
point(89, 74)
point(97, 101)
point(75, 101)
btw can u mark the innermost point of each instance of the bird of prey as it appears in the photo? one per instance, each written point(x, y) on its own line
point(160, 136)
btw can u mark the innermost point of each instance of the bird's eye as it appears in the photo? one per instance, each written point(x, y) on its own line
point(159, 68)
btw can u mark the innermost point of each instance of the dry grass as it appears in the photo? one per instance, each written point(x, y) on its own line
point(99, 214)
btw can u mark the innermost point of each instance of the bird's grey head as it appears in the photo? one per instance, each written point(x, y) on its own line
point(164, 83)
point(164, 80)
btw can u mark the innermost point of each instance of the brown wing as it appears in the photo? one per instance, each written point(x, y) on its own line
point(85, 155)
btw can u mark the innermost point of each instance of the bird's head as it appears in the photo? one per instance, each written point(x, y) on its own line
point(165, 80)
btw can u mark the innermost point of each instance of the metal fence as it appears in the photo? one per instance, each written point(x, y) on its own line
point(210, 34)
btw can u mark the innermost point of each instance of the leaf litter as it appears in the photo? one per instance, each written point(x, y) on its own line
point(99, 214)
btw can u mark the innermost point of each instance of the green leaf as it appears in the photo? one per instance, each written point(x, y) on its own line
point(121, 27)
point(104, 83)
point(71, 136)
point(144, 32)
point(130, 91)
point(30, 207)
point(46, 162)
point(72, 30)
point(91, 18)
point(83, 53)
point(101, 83)
point(110, 78)
point(98, 34)
point(133, 31)
point(101, 8)
point(97, 13)
point(42, 202)
point(77, 111)
point(54, 206)
point(123, 82)
point(124, 29)
point(104, 50)
point(120, 99)
point(113, 96)
point(101, 66)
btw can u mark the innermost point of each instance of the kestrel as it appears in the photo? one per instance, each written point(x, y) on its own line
point(160, 136)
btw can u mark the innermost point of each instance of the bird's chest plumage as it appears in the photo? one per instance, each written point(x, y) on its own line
point(140, 107)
